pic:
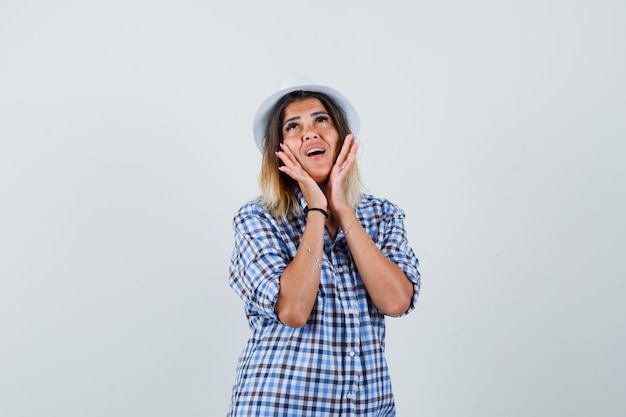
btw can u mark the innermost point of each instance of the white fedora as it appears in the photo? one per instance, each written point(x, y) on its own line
point(301, 83)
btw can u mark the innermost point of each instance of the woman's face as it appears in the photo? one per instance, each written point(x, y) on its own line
point(310, 133)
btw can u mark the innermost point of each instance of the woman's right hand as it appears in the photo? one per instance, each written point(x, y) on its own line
point(312, 192)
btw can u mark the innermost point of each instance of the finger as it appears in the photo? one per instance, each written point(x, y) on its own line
point(348, 160)
point(353, 151)
point(287, 156)
point(344, 149)
point(291, 165)
point(293, 173)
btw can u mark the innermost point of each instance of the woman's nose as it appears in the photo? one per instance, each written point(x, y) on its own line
point(309, 133)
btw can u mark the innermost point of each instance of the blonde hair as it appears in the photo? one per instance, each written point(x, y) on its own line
point(278, 190)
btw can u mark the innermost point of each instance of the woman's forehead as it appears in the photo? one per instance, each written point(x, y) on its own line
point(304, 106)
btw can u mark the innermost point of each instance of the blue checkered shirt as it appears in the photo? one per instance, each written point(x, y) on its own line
point(335, 364)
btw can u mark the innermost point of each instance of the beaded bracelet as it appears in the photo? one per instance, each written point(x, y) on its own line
point(318, 261)
point(345, 233)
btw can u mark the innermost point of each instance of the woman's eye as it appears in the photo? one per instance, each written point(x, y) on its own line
point(290, 127)
point(322, 119)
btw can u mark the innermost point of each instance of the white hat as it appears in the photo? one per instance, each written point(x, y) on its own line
point(300, 83)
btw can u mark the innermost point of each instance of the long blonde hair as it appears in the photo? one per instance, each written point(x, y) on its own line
point(278, 190)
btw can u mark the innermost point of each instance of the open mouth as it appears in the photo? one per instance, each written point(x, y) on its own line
point(315, 151)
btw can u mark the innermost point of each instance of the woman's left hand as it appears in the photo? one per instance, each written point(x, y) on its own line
point(335, 190)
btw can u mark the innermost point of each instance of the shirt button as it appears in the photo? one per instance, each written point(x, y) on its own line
point(350, 396)
point(340, 269)
point(352, 353)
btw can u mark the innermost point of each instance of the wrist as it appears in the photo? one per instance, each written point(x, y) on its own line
point(320, 210)
point(346, 218)
point(348, 228)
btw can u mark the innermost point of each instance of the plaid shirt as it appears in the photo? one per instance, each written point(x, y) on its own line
point(334, 365)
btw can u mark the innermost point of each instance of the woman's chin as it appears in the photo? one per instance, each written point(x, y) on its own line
point(321, 180)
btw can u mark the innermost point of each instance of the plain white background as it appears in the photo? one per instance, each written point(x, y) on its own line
point(126, 147)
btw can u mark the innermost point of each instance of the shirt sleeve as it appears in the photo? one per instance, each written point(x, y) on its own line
point(395, 245)
point(258, 260)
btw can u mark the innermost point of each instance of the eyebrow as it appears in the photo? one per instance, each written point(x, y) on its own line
point(316, 113)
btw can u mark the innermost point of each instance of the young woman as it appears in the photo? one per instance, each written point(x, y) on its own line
point(318, 265)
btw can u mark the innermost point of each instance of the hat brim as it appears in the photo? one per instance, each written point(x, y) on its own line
point(261, 118)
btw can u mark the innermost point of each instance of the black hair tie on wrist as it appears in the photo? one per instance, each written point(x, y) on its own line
point(321, 210)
